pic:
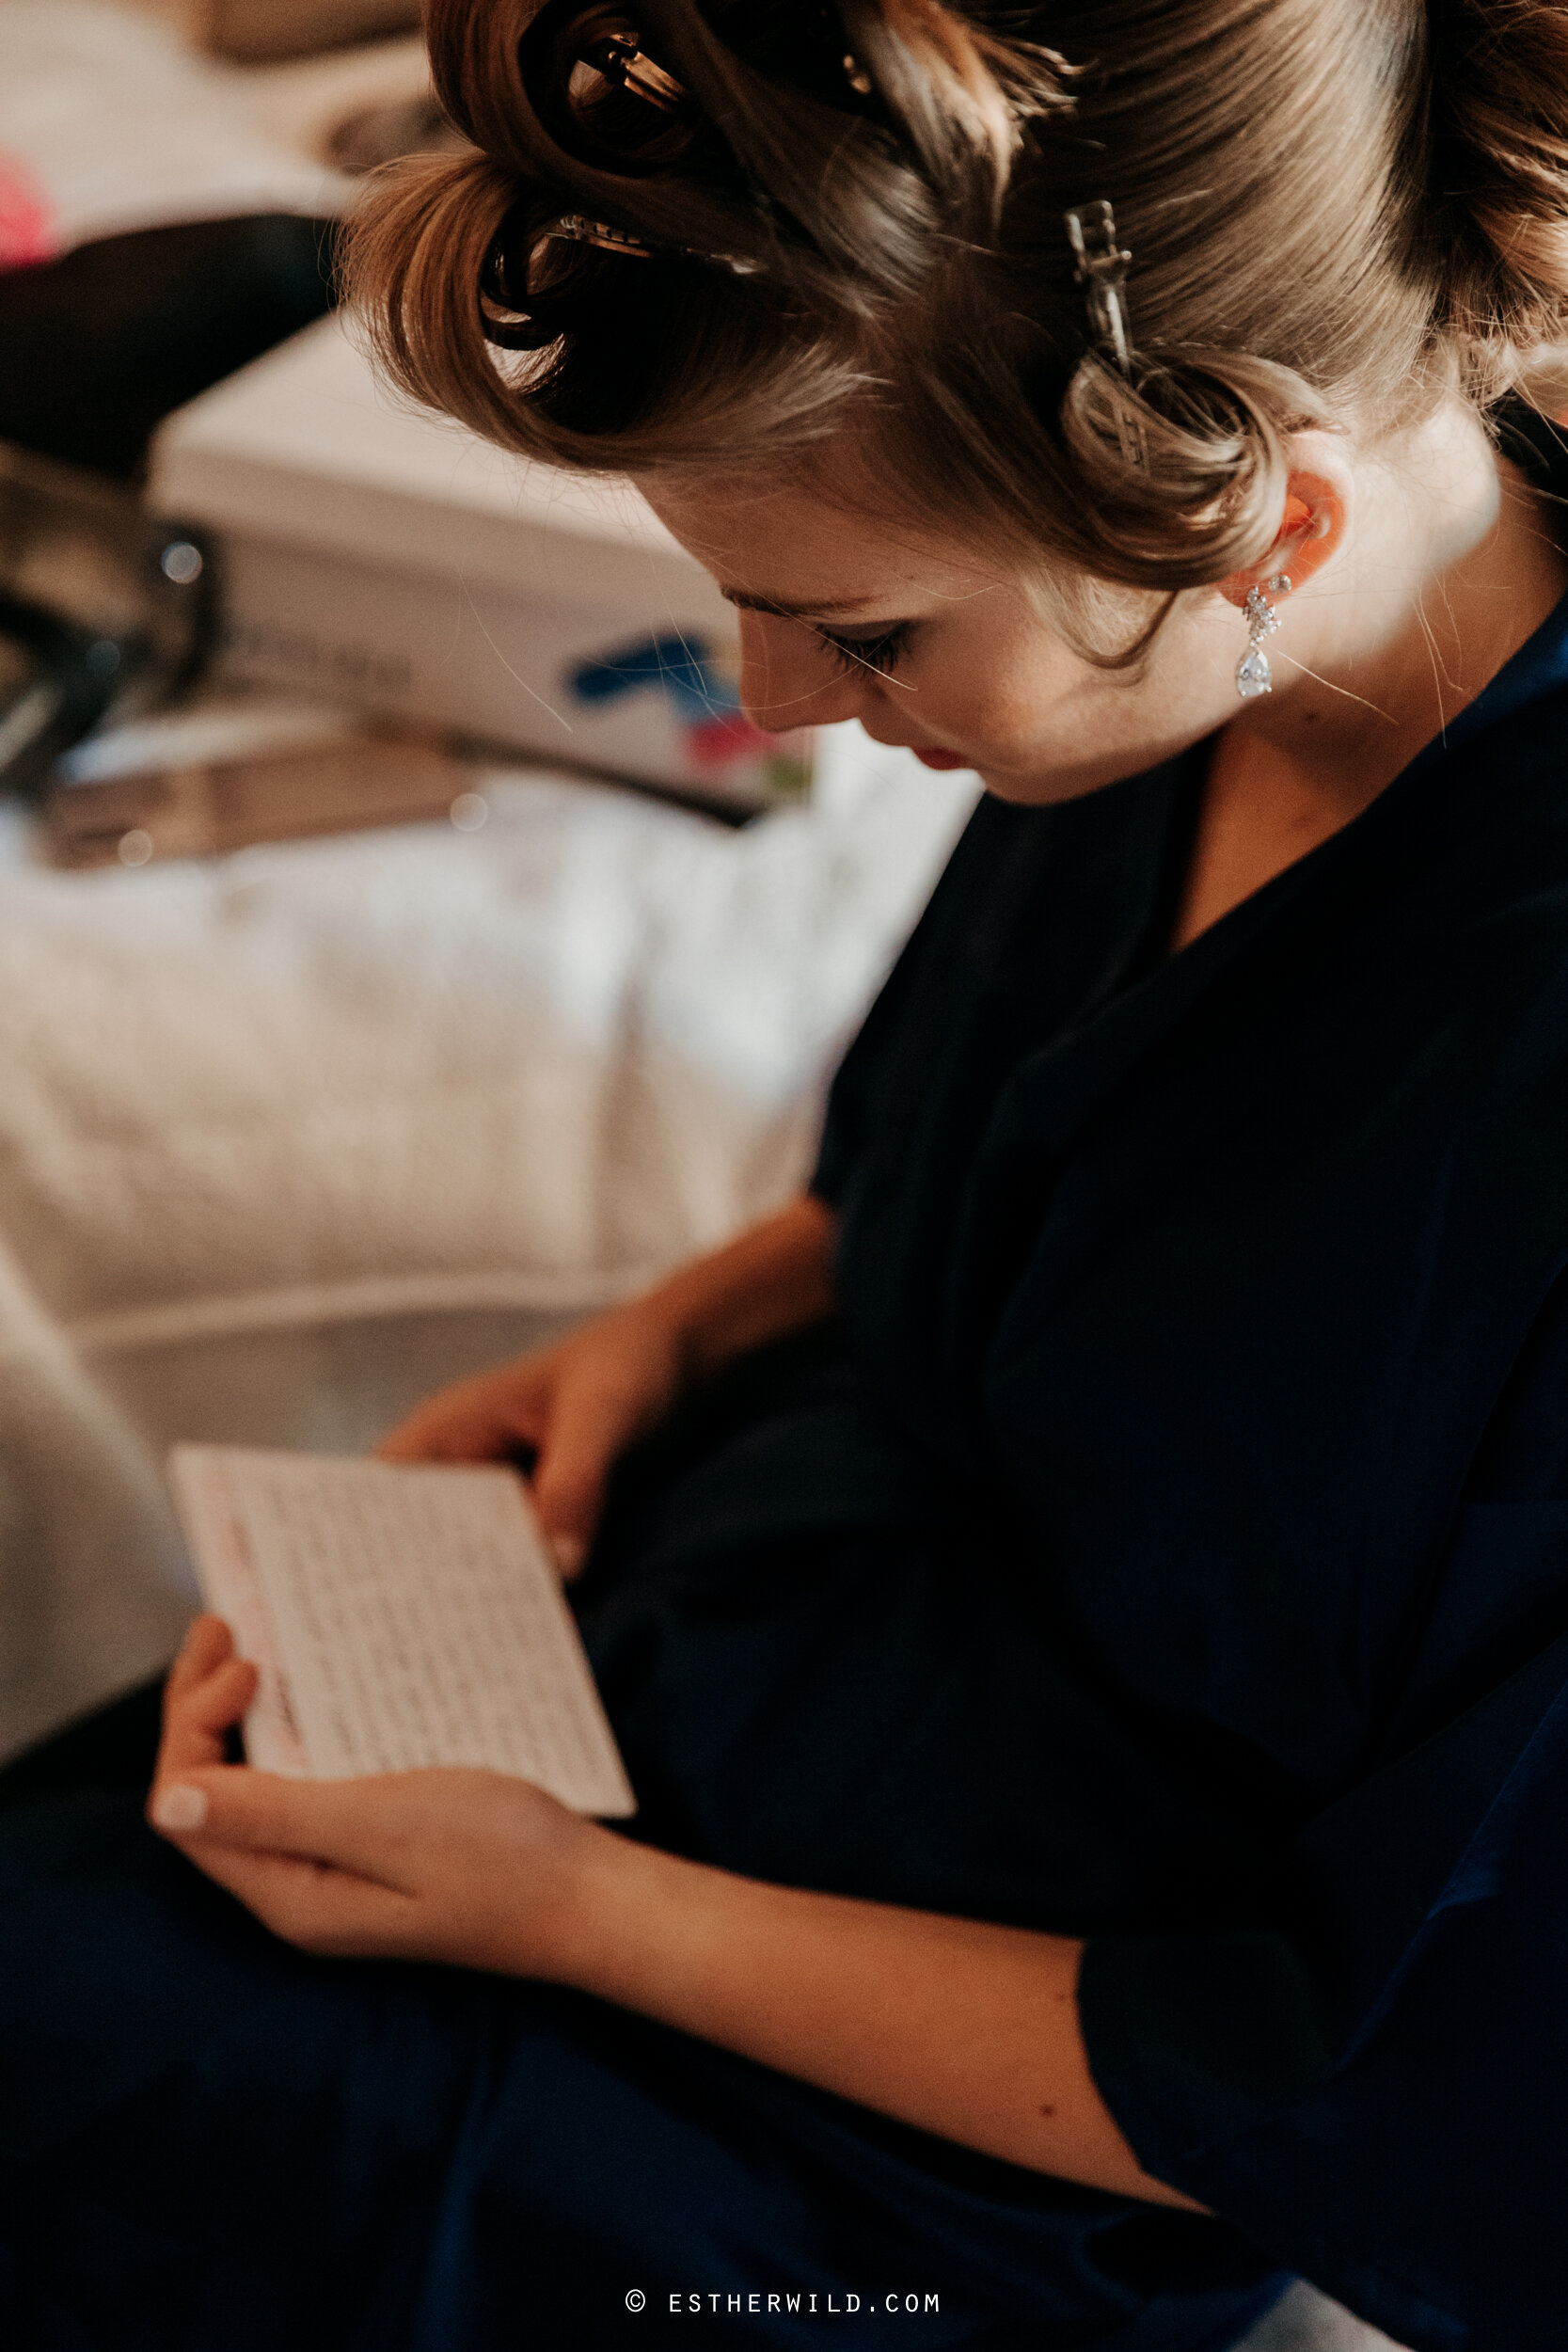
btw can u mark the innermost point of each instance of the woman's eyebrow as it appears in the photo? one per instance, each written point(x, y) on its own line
point(816, 610)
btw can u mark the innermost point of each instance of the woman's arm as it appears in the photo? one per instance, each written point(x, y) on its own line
point(772, 1279)
point(964, 2029)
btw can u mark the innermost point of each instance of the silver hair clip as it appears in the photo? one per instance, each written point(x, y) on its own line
point(1102, 271)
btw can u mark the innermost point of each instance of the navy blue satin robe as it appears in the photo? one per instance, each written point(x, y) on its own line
point(1242, 1277)
point(1171, 1549)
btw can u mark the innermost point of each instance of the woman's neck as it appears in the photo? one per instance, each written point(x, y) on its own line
point(1451, 567)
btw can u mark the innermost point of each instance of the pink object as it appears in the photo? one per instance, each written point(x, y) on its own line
point(24, 217)
point(714, 743)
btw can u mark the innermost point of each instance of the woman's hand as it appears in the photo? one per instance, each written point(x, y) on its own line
point(468, 1868)
point(576, 1406)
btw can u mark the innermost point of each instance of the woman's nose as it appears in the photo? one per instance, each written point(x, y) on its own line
point(787, 679)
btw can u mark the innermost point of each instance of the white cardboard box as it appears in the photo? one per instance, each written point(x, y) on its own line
point(377, 555)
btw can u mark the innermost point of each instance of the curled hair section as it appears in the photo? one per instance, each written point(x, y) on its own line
point(1205, 461)
point(743, 234)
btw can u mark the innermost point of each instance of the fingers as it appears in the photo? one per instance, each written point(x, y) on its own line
point(313, 1821)
point(373, 1832)
point(197, 1722)
point(207, 1642)
point(467, 1866)
point(573, 1426)
point(481, 1420)
point(576, 1405)
point(466, 1430)
point(297, 1853)
point(310, 1904)
point(207, 1693)
point(568, 1494)
point(614, 1397)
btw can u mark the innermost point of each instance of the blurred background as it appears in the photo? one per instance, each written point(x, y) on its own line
point(406, 946)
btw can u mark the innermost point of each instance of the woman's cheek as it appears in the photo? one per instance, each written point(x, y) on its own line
point(1008, 730)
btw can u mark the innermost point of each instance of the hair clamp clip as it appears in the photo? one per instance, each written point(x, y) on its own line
point(1103, 266)
point(1102, 271)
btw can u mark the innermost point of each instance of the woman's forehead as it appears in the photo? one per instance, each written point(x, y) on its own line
point(792, 547)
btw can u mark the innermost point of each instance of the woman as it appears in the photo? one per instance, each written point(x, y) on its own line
point(1082, 1593)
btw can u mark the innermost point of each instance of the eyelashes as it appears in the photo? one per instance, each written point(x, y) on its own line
point(881, 654)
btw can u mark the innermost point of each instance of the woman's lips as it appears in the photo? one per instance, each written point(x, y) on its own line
point(939, 759)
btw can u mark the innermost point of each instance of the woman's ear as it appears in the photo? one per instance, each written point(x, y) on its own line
point(1312, 530)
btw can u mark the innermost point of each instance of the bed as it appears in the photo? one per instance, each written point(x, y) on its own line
point(289, 1138)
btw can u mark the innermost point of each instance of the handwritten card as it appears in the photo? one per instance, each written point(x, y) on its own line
point(399, 1616)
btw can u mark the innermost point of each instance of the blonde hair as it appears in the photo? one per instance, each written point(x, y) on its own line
point(1338, 211)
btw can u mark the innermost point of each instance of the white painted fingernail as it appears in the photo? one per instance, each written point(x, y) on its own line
point(180, 1809)
point(570, 1553)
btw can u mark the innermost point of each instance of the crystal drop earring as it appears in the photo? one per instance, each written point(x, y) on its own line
point(1253, 674)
